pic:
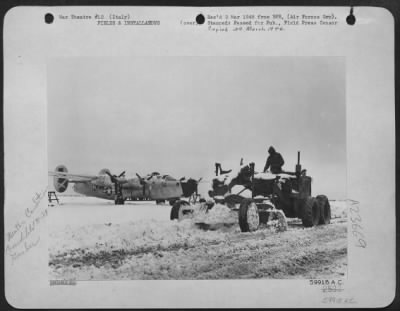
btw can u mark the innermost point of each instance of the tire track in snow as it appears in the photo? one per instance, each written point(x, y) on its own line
point(262, 254)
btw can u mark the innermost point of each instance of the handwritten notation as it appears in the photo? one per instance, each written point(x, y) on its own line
point(22, 238)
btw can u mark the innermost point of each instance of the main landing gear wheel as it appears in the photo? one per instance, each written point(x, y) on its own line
point(311, 213)
point(119, 201)
point(172, 201)
point(180, 210)
point(325, 210)
point(249, 219)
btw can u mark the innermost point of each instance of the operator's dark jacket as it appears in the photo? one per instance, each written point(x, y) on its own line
point(275, 161)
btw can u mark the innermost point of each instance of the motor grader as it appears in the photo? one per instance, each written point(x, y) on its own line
point(273, 196)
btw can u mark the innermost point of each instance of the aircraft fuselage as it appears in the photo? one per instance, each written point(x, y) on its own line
point(132, 190)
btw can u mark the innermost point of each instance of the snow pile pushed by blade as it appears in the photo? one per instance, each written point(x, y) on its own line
point(218, 214)
point(338, 209)
point(278, 221)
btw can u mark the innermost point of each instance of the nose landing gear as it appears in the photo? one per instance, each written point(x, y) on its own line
point(119, 198)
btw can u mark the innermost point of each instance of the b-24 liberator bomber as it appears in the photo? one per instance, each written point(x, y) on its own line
point(107, 186)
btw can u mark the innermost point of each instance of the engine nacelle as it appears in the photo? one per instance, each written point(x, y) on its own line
point(60, 184)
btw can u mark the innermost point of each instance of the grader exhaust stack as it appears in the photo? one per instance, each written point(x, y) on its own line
point(298, 165)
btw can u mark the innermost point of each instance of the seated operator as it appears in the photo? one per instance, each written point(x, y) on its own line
point(275, 161)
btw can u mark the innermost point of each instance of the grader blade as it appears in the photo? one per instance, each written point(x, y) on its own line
point(279, 217)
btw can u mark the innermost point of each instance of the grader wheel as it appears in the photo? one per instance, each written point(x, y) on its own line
point(325, 209)
point(249, 219)
point(311, 213)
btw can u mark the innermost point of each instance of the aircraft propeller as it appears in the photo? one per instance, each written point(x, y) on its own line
point(141, 179)
point(143, 183)
point(115, 178)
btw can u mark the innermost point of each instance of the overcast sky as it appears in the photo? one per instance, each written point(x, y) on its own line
point(180, 115)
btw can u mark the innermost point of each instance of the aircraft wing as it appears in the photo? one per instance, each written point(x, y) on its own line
point(73, 178)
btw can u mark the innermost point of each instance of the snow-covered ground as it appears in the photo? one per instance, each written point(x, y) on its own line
point(94, 239)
